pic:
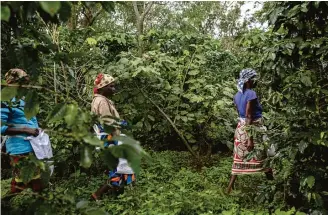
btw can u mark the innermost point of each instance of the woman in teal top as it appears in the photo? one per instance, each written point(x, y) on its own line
point(17, 128)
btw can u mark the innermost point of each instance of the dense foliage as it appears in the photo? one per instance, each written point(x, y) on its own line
point(176, 64)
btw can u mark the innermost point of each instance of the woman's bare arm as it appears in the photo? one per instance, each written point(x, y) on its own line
point(17, 131)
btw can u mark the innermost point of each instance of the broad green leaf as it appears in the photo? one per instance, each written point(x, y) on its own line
point(91, 41)
point(51, 7)
point(310, 180)
point(5, 13)
point(304, 7)
point(86, 157)
point(109, 159)
point(57, 113)
point(309, 196)
point(151, 118)
point(318, 199)
point(8, 93)
point(32, 104)
point(322, 134)
point(130, 150)
point(82, 204)
point(28, 172)
point(306, 80)
point(193, 72)
point(71, 114)
point(92, 140)
point(124, 61)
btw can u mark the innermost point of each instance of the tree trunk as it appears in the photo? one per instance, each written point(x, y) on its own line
point(140, 18)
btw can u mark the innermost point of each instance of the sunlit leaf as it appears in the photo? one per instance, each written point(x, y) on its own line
point(193, 72)
point(32, 104)
point(92, 140)
point(91, 41)
point(71, 114)
point(130, 150)
point(310, 180)
point(8, 93)
point(50, 7)
point(86, 157)
point(82, 204)
point(5, 13)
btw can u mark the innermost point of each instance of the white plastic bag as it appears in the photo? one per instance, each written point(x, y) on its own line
point(41, 145)
point(123, 167)
point(42, 148)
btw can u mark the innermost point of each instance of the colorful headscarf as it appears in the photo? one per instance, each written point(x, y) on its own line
point(15, 75)
point(244, 76)
point(101, 81)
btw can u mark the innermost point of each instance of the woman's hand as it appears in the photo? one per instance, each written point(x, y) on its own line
point(250, 145)
point(32, 131)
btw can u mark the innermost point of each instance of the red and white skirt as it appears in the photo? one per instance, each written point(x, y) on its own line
point(244, 161)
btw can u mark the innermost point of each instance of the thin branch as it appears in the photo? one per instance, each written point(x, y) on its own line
point(95, 16)
point(135, 7)
point(185, 142)
point(147, 10)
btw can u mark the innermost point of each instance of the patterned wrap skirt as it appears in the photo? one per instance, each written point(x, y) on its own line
point(115, 179)
point(244, 161)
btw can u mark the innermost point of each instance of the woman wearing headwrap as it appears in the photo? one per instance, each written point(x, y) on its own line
point(17, 128)
point(250, 116)
point(103, 107)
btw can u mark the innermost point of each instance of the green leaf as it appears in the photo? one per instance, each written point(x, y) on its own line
point(109, 159)
point(86, 157)
point(91, 41)
point(51, 7)
point(32, 104)
point(28, 172)
point(8, 93)
point(57, 113)
point(304, 7)
point(130, 150)
point(71, 113)
point(322, 134)
point(310, 180)
point(306, 80)
point(82, 204)
point(92, 140)
point(193, 72)
point(302, 146)
point(151, 118)
point(124, 61)
point(5, 13)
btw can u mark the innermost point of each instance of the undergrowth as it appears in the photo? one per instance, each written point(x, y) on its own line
point(168, 184)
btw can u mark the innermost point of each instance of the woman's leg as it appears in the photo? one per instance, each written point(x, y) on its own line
point(101, 190)
point(231, 183)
